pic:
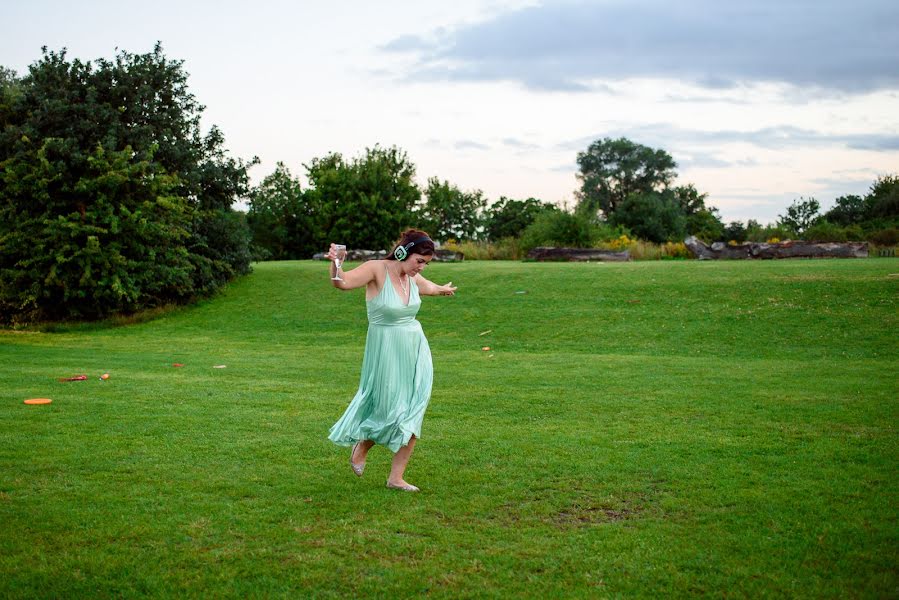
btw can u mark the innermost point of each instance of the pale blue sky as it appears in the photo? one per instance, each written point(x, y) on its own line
point(759, 102)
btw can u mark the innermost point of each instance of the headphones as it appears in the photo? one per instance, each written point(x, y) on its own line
point(401, 253)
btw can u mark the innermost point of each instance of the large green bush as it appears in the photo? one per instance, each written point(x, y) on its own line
point(111, 199)
point(756, 232)
point(886, 237)
point(122, 250)
point(559, 228)
point(825, 231)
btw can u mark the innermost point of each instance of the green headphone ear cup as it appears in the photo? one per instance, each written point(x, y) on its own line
point(400, 253)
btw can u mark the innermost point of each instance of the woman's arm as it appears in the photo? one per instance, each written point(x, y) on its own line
point(429, 288)
point(356, 278)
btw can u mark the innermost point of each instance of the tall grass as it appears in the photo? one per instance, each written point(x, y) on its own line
point(505, 249)
point(512, 249)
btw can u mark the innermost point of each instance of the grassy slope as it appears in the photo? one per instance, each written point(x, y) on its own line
point(643, 428)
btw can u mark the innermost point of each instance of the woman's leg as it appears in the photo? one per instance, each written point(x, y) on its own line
point(400, 459)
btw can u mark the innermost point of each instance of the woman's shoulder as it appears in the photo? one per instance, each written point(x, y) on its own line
point(377, 268)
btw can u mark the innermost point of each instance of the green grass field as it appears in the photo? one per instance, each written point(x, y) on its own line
point(644, 429)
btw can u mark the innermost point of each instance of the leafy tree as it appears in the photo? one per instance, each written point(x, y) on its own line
point(448, 212)
point(366, 202)
point(875, 214)
point(283, 221)
point(613, 170)
point(8, 77)
point(10, 90)
point(127, 205)
point(883, 198)
point(847, 210)
point(801, 214)
point(702, 221)
point(690, 199)
point(220, 242)
point(509, 218)
point(706, 225)
point(652, 216)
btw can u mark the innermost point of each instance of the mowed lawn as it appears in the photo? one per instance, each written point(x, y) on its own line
point(645, 429)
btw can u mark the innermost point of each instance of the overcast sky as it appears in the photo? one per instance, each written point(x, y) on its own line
point(758, 102)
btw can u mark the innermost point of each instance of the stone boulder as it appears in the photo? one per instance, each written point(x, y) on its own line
point(786, 249)
point(543, 253)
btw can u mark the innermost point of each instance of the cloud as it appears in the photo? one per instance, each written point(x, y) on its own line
point(519, 144)
point(695, 99)
point(702, 161)
point(407, 43)
point(781, 137)
point(829, 44)
point(470, 145)
point(566, 168)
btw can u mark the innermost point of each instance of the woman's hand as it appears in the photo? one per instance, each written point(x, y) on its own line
point(331, 254)
point(429, 288)
point(446, 290)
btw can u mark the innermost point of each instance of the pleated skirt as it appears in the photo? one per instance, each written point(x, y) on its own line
point(394, 388)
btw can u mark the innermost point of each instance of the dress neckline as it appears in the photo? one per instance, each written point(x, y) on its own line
point(389, 282)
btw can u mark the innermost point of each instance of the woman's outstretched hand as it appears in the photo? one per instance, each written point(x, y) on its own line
point(447, 290)
point(330, 255)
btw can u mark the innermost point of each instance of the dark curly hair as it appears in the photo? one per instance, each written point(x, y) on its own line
point(423, 243)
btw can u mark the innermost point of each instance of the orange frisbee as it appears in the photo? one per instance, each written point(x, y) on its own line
point(38, 401)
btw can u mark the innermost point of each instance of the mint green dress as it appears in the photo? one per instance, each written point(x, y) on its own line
point(397, 374)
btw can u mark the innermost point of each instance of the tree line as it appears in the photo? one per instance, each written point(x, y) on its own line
point(625, 189)
point(364, 200)
point(112, 200)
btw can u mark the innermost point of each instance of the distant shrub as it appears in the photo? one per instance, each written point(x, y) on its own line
point(759, 233)
point(606, 235)
point(504, 249)
point(675, 250)
point(825, 231)
point(643, 250)
point(622, 242)
point(885, 237)
point(558, 228)
point(512, 248)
